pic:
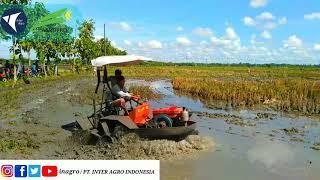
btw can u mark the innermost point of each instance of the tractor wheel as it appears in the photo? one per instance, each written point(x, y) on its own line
point(163, 121)
point(4, 79)
point(119, 131)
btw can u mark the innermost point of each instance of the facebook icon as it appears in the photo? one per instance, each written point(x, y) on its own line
point(20, 170)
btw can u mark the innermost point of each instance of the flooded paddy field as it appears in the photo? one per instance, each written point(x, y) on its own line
point(232, 144)
point(250, 144)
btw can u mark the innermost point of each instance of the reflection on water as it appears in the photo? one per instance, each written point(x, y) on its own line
point(264, 151)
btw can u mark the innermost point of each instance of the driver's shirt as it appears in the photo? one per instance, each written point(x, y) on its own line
point(113, 80)
point(120, 92)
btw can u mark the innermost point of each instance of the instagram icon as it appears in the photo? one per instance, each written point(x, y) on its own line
point(7, 170)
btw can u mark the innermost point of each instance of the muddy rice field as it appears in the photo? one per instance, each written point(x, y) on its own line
point(232, 143)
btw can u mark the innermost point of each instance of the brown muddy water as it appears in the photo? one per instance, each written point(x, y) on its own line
point(250, 145)
point(233, 144)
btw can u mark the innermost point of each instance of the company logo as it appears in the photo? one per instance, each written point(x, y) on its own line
point(20, 170)
point(7, 170)
point(34, 170)
point(49, 171)
point(14, 21)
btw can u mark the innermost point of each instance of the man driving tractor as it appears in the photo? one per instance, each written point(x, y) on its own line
point(122, 94)
point(113, 120)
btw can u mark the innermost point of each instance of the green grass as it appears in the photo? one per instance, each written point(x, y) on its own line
point(17, 142)
point(293, 87)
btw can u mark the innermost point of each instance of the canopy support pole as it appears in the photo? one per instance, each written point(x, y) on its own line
point(99, 79)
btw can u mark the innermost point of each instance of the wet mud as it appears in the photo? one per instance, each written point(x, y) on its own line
point(42, 129)
point(233, 143)
point(132, 147)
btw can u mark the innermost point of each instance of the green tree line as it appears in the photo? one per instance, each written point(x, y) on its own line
point(54, 43)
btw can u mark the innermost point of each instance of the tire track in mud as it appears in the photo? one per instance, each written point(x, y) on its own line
point(34, 129)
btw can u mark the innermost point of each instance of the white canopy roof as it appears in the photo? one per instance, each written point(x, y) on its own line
point(104, 60)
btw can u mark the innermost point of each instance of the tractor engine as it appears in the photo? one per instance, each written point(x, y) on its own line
point(170, 116)
point(162, 117)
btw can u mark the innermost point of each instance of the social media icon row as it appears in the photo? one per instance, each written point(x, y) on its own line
point(31, 171)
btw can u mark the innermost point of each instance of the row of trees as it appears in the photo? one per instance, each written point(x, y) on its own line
point(55, 43)
point(88, 48)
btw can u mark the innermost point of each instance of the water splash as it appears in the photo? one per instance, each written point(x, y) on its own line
point(132, 147)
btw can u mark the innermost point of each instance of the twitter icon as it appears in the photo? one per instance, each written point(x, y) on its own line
point(34, 171)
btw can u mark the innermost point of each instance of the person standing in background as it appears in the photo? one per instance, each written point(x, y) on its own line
point(20, 69)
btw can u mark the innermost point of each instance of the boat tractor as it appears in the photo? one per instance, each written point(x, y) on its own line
point(111, 122)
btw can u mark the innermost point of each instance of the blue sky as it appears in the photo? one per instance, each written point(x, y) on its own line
point(226, 31)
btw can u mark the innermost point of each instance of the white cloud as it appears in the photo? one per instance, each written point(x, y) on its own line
point(249, 21)
point(269, 25)
point(227, 48)
point(283, 20)
point(266, 16)
point(202, 31)
point(258, 3)
point(203, 43)
point(223, 50)
point(231, 34)
point(266, 35)
point(293, 42)
point(265, 21)
point(149, 45)
point(127, 42)
point(113, 43)
point(312, 16)
point(230, 41)
point(124, 26)
point(183, 41)
point(217, 42)
point(98, 37)
point(179, 28)
point(154, 44)
point(316, 47)
point(140, 45)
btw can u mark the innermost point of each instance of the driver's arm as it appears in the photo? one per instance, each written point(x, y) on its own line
point(124, 94)
point(116, 90)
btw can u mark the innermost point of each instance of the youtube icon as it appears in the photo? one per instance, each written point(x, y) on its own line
point(49, 171)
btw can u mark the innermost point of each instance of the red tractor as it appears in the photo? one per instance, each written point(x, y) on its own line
point(110, 122)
